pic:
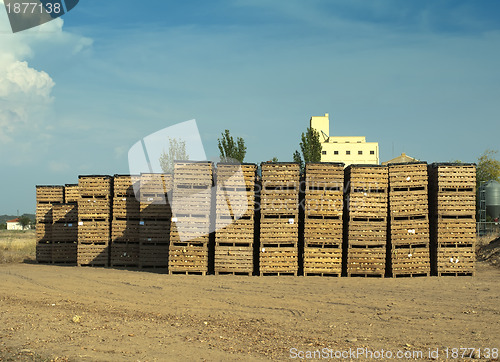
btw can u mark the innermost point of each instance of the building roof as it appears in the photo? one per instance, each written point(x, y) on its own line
point(401, 159)
point(14, 220)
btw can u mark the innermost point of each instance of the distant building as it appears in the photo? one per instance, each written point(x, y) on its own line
point(14, 224)
point(349, 150)
point(401, 159)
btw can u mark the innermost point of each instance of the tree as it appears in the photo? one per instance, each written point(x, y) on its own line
point(488, 168)
point(24, 221)
point(310, 145)
point(176, 151)
point(230, 150)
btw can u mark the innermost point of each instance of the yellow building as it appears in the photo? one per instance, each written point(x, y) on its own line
point(349, 150)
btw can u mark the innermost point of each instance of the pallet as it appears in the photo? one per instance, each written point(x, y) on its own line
point(278, 274)
point(124, 254)
point(366, 205)
point(94, 207)
point(71, 193)
point(154, 231)
point(455, 258)
point(44, 252)
point(452, 176)
point(153, 255)
point(411, 275)
point(279, 230)
point(366, 275)
point(368, 178)
point(316, 274)
point(235, 273)
point(186, 272)
point(280, 174)
point(324, 203)
point(237, 231)
point(65, 213)
point(64, 232)
point(50, 194)
point(404, 232)
point(324, 175)
point(408, 175)
point(236, 175)
point(64, 253)
point(126, 207)
point(366, 232)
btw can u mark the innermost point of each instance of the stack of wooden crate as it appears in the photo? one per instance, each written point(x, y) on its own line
point(366, 219)
point(64, 233)
point(409, 219)
point(191, 210)
point(279, 220)
point(235, 218)
point(154, 224)
point(323, 226)
point(124, 248)
point(46, 198)
point(452, 202)
point(94, 220)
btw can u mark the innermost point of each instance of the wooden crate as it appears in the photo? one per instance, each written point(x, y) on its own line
point(411, 260)
point(44, 252)
point(155, 208)
point(64, 253)
point(324, 202)
point(279, 229)
point(153, 255)
point(154, 231)
point(408, 176)
point(92, 255)
point(408, 203)
point(65, 232)
point(126, 254)
point(371, 232)
point(235, 231)
point(280, 174)
point(454, 229)
point(278, 260)
point(279, 200)
point(454, 203)
point(187, 258)
point(191, 199)
point(234, 202)
point(232, 258)
point(71, 193)
point(324, 260)
point(324, 176)
point(188, 228)
point(43, 232)
point(155, 184)
point(125, 231)
point(44, 212)
point(126, 207)
point(95, 185)
point(193, 173)
point(455, 259)
point(236, 175)
point(449, 177)
point(50, 194)
point(92, 207)
point(366, 178)
point(125, 185)
point(410, 230)
point(366, 204)
point(65, 213)
point(366, 261)
point(94, 232)
point(323, 230)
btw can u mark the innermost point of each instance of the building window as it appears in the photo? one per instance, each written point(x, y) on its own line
point(335, 152)
point(360, 152)
point(323, 152)
point(347, 152)
point(372, 152)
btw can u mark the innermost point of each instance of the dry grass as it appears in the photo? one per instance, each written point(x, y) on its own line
point(17, 246)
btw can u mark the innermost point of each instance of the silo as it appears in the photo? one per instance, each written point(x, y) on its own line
point(492, 195)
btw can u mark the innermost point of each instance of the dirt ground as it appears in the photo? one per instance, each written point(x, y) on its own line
point(92, 314)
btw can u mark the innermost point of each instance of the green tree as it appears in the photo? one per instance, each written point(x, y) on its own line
point(488, 167)
point(310, 146)
point(176, 151)
point(3, 226)
point(230, 150)
point(24, 221)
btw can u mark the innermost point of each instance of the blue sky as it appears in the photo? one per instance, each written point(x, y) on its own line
point(419, 77)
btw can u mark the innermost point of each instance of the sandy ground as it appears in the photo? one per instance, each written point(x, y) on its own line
point(93, 314)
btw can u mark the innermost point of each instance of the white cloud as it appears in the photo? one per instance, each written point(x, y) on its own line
point(26, 92)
